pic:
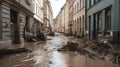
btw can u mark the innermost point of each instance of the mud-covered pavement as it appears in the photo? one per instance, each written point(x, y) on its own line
point(45, 54)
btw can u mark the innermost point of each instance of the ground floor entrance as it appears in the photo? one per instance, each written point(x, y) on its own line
point(15, 37)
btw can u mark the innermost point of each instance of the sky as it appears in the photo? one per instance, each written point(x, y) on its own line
point(56, 6)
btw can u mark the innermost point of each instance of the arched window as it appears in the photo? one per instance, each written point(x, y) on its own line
point(80, 4)
point(77, 24)
point(77, 6)
point(28, 2)
point(80, 24)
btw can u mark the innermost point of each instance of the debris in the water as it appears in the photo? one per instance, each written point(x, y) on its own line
point(42, 37)
point(4, 52)
point(51, 34)
point(103, 49)
point(69, 47)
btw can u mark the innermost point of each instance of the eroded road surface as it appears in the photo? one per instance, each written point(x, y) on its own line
point(45, 54)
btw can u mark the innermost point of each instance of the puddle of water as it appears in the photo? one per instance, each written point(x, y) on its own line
point(71, 59)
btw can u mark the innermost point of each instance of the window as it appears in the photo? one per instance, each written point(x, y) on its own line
point(80, 24)
point(80, 4)
point(89, 26)
point(95, 1)
point(89, 3)
point(100, 21)
point(28, 2)
point(108, 19)
point(27, 24)
point(83, 3)
point(83, 22)
point(77, 6)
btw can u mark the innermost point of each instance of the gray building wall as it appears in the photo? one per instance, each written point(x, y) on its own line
point(5, 20)
point(5, 23)
point(115, 14)
point(0, 24)
point(100, 6)
point(116, 24)
point(5, 41)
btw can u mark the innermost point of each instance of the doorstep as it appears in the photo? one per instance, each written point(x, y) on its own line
point(5, 44)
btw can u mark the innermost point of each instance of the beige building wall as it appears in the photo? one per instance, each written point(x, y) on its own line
point(63, 19)
point(58, 25)
point(38, 10)
point(48, 17)
point(70, 23)
point(79, 18)
point(38, 17)
point(66, 17)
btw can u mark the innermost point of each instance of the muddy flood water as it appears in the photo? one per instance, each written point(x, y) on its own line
point(45, 54)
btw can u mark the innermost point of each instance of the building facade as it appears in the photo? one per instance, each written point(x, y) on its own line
point(48, 17)
point(79, 18)
point(66, 17)
point(70, 23)
point(103, 19)
point(63, 19)
point(37, 26)
point(58, 24)
point(17, 18)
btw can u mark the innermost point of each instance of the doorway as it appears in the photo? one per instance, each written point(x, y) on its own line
point(15, 37)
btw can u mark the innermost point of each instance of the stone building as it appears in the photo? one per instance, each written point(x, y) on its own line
point(18, 16)
point(58, 24)
point(48, 17)
point(63, 19)
point(37, 26)
point(70, 23)
point(103, 19)
point(79, 18)
point(66, 17)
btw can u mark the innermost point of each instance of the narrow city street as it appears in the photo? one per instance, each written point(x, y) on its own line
point(45, 54)
point(59, 33)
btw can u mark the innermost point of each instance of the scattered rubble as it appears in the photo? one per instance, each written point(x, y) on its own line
point(41, 36)
point(4, 52)
point(69, 47)
point(51, 34)
point(49, 39)
point(29, 37)
point(103, 49)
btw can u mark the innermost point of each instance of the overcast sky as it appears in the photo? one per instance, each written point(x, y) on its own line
point(56, 6)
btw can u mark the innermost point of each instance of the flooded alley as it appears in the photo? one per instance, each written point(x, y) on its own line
point(45, 54)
